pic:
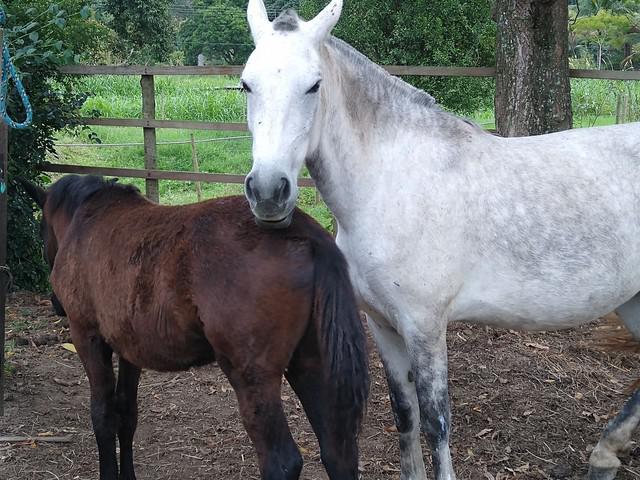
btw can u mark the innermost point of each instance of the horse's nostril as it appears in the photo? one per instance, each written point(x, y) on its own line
point(252, 194)
point(283, 191)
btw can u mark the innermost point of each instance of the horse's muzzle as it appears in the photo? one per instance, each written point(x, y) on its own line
point(270, 204)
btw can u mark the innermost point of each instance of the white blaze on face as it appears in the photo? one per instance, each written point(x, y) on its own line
point(282, 79)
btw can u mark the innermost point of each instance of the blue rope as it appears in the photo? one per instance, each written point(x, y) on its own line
point(8, 72)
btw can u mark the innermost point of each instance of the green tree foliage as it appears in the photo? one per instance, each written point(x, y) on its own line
point(37, 33)
point(605, 29)
point(445, 33)
point(144, 27)
point(218, 29)
point(606, 32)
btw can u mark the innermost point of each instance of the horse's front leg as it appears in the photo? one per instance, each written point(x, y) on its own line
point(604, 462)
point(402, 393)
point(127, 408)
point(428, 354)
point(95, 355)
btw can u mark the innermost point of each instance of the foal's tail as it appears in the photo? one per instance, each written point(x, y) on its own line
point(342, 338)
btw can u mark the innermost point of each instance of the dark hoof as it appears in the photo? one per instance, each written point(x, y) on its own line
point(599, 473)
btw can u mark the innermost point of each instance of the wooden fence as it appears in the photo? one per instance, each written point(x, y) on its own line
point(149, 123)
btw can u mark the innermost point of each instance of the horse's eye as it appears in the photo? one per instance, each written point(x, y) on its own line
point(245, 88)
point(315, 88)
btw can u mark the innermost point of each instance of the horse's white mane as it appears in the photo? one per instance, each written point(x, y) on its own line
point(377, 88)
point(376, 74)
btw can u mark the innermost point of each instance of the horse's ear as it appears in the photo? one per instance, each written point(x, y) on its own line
point(324, 22)
point(258, 20)
point(36, 192)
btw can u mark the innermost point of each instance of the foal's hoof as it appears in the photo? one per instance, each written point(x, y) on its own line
point(600, 473)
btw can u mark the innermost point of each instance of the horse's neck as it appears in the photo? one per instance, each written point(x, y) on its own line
point(359, 116)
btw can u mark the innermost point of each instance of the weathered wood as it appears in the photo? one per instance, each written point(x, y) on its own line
point(440, 71)
point(155, 174)
point(605, 74)
point(149, 123)
point(393, 69)
point(196, 167)
point(150, 70)
point(150, 154)
point(532, 67)
point(4, 269)
point(16, 439)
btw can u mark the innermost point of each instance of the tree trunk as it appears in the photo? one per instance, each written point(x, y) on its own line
point(533, 93)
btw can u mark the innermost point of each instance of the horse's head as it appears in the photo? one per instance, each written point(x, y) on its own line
point(47, 232)
point(283, 81)
point(49, 240)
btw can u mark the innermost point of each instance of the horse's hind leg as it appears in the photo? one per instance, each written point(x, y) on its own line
point(629, 312)
point(604, 462)
point(404, 399)
point(338, 438)
point(127, 408)
point(258, 393)
point(96, 358)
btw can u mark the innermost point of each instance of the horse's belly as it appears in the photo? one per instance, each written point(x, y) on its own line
point(531, 305)
point(160, 349)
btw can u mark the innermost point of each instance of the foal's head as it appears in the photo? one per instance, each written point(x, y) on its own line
point(59, 203)
point(283, 81)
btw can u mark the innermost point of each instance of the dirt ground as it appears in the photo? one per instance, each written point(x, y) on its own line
point(525, 406)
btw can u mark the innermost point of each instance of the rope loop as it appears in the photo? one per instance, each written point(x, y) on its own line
point(9, 72)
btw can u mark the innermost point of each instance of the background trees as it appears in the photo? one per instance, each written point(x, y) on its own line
point(447, 32)
point(42, 36)
point(218, 29)
point(605, 33)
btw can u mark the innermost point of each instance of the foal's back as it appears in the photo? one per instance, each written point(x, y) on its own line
point(178, 286)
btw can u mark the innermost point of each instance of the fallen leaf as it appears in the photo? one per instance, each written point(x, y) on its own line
point(537, 345)
point(483, 432)
point(69, 346)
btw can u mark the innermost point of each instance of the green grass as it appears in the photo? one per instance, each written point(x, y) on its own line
point(205, 99)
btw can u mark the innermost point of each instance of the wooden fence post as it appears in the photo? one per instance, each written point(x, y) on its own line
point(149, 113)
point(5, 275)
point(4, 269)
point(196, 167)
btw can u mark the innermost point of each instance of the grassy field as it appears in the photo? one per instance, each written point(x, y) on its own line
point(205, 99)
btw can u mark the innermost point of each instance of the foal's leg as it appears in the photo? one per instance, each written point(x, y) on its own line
point(404, 400)
point(127, 408)
point(263, 417)
point(96, 358)
point(337, 436)
point(428, 353)
point(604, 462)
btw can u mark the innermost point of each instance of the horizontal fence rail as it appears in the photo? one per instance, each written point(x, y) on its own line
point(150, 174)
point(149, 123)
point(392, 69)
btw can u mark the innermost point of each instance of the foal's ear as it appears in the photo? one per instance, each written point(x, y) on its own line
point(321, 26)
point(36, 192)
point(259, 23)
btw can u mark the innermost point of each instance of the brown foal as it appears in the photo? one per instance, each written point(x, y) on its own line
point(168, 288)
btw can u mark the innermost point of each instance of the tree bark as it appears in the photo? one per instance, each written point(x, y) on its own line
point(533, 93)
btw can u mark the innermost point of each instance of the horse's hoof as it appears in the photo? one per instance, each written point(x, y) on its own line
point(600, 473)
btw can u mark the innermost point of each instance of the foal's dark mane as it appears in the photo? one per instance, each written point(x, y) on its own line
point(71, 191)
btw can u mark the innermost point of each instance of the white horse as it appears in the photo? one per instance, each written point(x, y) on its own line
point(441, 221)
